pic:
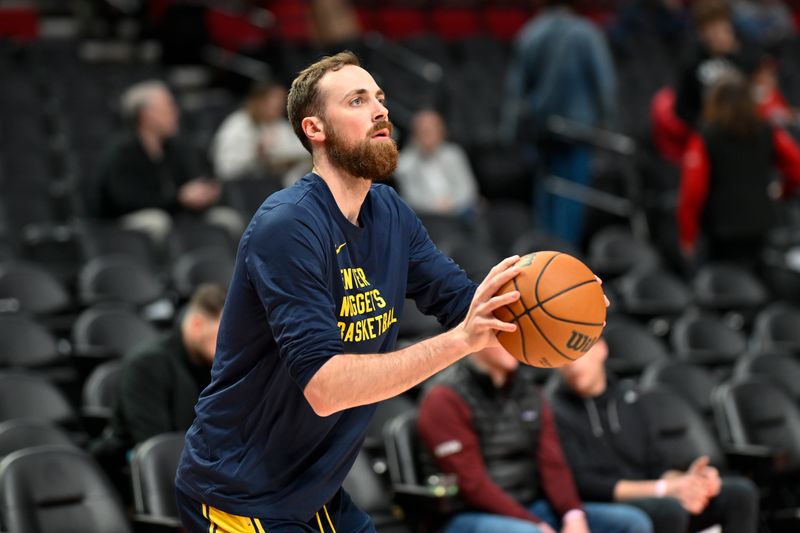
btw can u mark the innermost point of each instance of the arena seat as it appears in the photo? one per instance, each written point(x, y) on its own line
point(46, 488)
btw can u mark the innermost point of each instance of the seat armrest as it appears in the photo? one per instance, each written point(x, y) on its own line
point(144, 523)
point(424, 500)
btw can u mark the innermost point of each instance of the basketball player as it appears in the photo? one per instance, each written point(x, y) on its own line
point(321, 275)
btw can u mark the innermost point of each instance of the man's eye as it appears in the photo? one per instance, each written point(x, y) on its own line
point(356, 101)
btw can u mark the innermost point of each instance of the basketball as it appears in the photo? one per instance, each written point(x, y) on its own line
point(560, 312)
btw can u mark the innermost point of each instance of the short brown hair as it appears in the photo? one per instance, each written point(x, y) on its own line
point(705, 12)
point(304, 98)
point(208, 299)
point(730, 105)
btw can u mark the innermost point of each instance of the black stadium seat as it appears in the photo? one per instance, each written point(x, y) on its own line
point(20, 433)
point(153, 466)
point(725, 288)
point(780, 369)
point(631, 347)
point(104, 332)
point(682, 434)
point(116, 278)
point(691, 382)
point(707, 340)
point(206, 265)
point(58, 489)
point(29, 288)
point(777, 328)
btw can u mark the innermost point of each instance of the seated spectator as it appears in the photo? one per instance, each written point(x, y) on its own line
point(434, 175)
point(159, 382)
point(727, 172)
point(612, 451)
point(257, 140)
point(768, 22)
point(147, 176)
point(486, 422)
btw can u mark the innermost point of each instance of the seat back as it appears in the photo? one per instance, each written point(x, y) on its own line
point(691, 382)
point(652, 294)
point(707, 340)
point(32, 288)
point(778, 328)
point(207, 265)
point(631, 347)
point(781, 369)
point(153, 467)
point(25, 343)
point(115, 278)
point(58, 489)
point(366, 489)
point(757, 412)
point(409, 461)
point(724, 287)
point(110, 331)
point(31, 396)
point(614, 251)
point(681, 433)
point(100, 388)
point(21, 433)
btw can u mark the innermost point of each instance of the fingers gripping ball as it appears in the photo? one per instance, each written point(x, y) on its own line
point(560, 312)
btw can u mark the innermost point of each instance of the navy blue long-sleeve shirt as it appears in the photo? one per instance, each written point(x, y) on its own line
point(307, 285)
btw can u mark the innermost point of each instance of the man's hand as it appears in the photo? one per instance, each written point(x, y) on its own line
point(199, 193)
point(708, 473)
point(575, 524)
point(478, 330)
point(544, 528)
point(690, 490)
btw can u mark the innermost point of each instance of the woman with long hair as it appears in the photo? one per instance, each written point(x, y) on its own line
point(727, 188)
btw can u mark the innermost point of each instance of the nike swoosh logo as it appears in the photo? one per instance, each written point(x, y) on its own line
point(339, 248)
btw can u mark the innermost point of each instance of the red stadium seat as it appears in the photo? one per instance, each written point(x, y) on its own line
point(400, 22)
point(455, 23)
point(504, 23)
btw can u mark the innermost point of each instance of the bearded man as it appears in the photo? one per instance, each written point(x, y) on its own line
point(306, 345)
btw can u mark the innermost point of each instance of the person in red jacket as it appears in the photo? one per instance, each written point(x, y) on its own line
point(486, 422)
point(726, 191)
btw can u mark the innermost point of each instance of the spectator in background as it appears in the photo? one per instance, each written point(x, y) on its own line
point(160, 381)
point(613, 452)
point(767, 22)
point(717, 51)
point(257, 140)
point(727, 170)
point(561, 66)
point(147, 176)
point(486, 422)
point(664, 20)
point(434, 175)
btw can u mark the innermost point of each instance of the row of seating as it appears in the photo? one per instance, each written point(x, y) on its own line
point(754, 429)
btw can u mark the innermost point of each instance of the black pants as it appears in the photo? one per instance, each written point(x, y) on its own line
point(735, 508)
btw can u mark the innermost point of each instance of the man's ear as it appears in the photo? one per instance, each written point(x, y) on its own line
point(313, 128)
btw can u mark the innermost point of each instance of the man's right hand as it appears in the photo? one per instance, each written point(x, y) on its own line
point(544, 528)
point(690, 490)
point(478, 330)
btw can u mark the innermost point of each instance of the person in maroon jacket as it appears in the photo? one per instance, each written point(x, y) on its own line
point(485, 421)
point(727, 169)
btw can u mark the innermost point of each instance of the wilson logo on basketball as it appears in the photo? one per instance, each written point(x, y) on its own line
point(580, 342)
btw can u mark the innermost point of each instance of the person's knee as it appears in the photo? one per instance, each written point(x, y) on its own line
point(738, 493)
point(669, 516)
point(637, 521)
point(740, 490)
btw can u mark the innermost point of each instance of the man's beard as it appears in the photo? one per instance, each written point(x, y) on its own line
point(367, 159)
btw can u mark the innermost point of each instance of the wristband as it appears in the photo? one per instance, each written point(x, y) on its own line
point(573, 514)
point(661, 488)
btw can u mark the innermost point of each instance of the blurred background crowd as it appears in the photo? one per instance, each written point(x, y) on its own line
point(655, 139)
